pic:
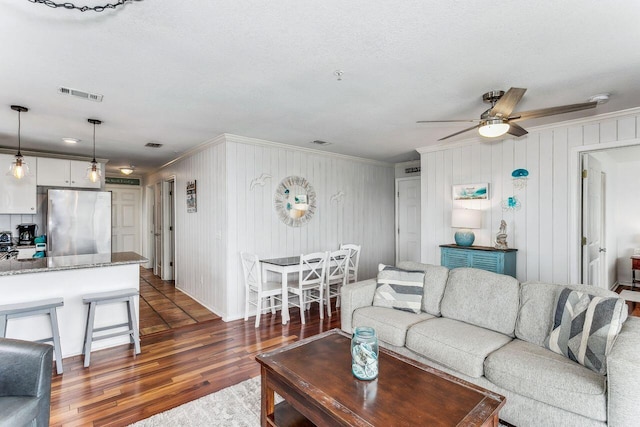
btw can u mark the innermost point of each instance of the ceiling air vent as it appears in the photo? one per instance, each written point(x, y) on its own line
point(80, 94)
point(153, 145)
point(319, 142)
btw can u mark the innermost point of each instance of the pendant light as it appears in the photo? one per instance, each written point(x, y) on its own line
point(93, 171)
point(19, 168)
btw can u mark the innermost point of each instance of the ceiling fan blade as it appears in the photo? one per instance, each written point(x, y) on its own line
point(543, 112)
point(462, 131)
point(516, 130)
point(448, 121)
point(505, 105)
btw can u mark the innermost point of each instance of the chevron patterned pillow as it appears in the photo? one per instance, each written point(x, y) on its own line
point(399, 289)
point(585, 327)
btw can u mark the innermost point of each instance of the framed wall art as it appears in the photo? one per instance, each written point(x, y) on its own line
point(192, 205)
point(471, 191)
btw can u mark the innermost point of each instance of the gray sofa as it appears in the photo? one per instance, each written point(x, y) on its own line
point(25, 383)
point(489, 329)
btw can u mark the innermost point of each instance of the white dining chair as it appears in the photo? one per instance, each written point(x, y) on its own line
point(337, 272)
point(309, 287)
point(256, 289)
point(354, 261)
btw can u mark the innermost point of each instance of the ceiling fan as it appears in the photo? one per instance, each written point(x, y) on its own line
point(500, 118)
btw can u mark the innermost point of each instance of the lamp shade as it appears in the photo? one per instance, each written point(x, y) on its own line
point(466, 218)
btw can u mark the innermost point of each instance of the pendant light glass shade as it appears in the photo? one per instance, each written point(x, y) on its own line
point(93, 170)
point(19, 167)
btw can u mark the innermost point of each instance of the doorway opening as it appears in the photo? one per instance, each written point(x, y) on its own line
point(604, 229)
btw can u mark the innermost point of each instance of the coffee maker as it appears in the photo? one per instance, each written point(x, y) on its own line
point(6, 241)
point(26, 234)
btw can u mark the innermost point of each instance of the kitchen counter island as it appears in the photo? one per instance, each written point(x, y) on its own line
point(69, 277)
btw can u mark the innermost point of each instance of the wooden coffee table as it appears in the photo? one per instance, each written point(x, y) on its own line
point(314, 378)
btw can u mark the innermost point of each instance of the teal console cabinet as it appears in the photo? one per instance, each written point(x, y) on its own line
point(502, 261)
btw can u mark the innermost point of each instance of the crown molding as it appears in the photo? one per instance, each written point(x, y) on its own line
point(198, 148)
point(255, 141)
point(567, 123)
point(229, 137)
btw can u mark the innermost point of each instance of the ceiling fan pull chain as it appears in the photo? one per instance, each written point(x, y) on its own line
point(68, 5)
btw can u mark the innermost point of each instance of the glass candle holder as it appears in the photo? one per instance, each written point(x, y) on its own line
point(364, 353)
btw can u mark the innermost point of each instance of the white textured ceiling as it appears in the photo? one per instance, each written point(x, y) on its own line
point(182, 72)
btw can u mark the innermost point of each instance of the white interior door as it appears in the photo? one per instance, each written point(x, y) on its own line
point(408, 220)
point(593, 239)
point(168, 230)
point(125, 219)
point(157, 229)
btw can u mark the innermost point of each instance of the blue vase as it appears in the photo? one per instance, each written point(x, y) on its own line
point(464, 237)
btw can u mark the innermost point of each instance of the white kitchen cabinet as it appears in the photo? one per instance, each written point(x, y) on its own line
point(17, 196)
point(64, 173)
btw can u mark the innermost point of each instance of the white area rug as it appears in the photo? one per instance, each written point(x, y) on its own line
point(235, 406)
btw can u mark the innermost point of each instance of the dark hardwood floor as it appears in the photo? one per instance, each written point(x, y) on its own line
point(175, 366)
point(163, 307)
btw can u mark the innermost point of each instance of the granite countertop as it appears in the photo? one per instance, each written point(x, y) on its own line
point(70, 262)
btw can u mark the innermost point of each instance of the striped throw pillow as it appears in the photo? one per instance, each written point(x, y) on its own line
point(399, 289)
point(585, 327)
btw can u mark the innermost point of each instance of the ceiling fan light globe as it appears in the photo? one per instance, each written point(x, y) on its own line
point(493, 128)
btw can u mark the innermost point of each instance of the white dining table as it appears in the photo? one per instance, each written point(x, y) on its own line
point(282, 266)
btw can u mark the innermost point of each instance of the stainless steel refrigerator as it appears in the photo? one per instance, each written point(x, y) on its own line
point(78, 222)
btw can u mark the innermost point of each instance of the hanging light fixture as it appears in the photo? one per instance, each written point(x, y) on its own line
point(128, 170)
point(19, 168)
point(93, 171)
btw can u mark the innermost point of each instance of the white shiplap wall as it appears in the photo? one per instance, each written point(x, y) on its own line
point(201, 246)
point(208, 267)
point(365, 215)
point(540, 230)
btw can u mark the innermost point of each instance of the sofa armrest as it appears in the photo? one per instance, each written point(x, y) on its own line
point(354, 296)
point(623, 375)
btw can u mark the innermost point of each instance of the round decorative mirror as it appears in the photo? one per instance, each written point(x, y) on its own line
point(295, 201)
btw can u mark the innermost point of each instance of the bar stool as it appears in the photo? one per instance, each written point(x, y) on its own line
point(121, 295)
point(33, 308)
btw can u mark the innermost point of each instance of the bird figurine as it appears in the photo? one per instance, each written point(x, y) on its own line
point(261, 181)
point(337, 197)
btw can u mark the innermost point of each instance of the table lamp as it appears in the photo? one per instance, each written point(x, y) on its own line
point(465, 220)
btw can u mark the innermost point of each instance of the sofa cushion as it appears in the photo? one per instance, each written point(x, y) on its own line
point(391, 325)
point(540, 374)
point(399, 289)
point(482, 298)
point(435, 280)
point(537, 307)
point(585, 328)
point(454, 344)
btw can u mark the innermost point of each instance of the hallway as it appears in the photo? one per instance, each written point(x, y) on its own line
point(163, 307)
